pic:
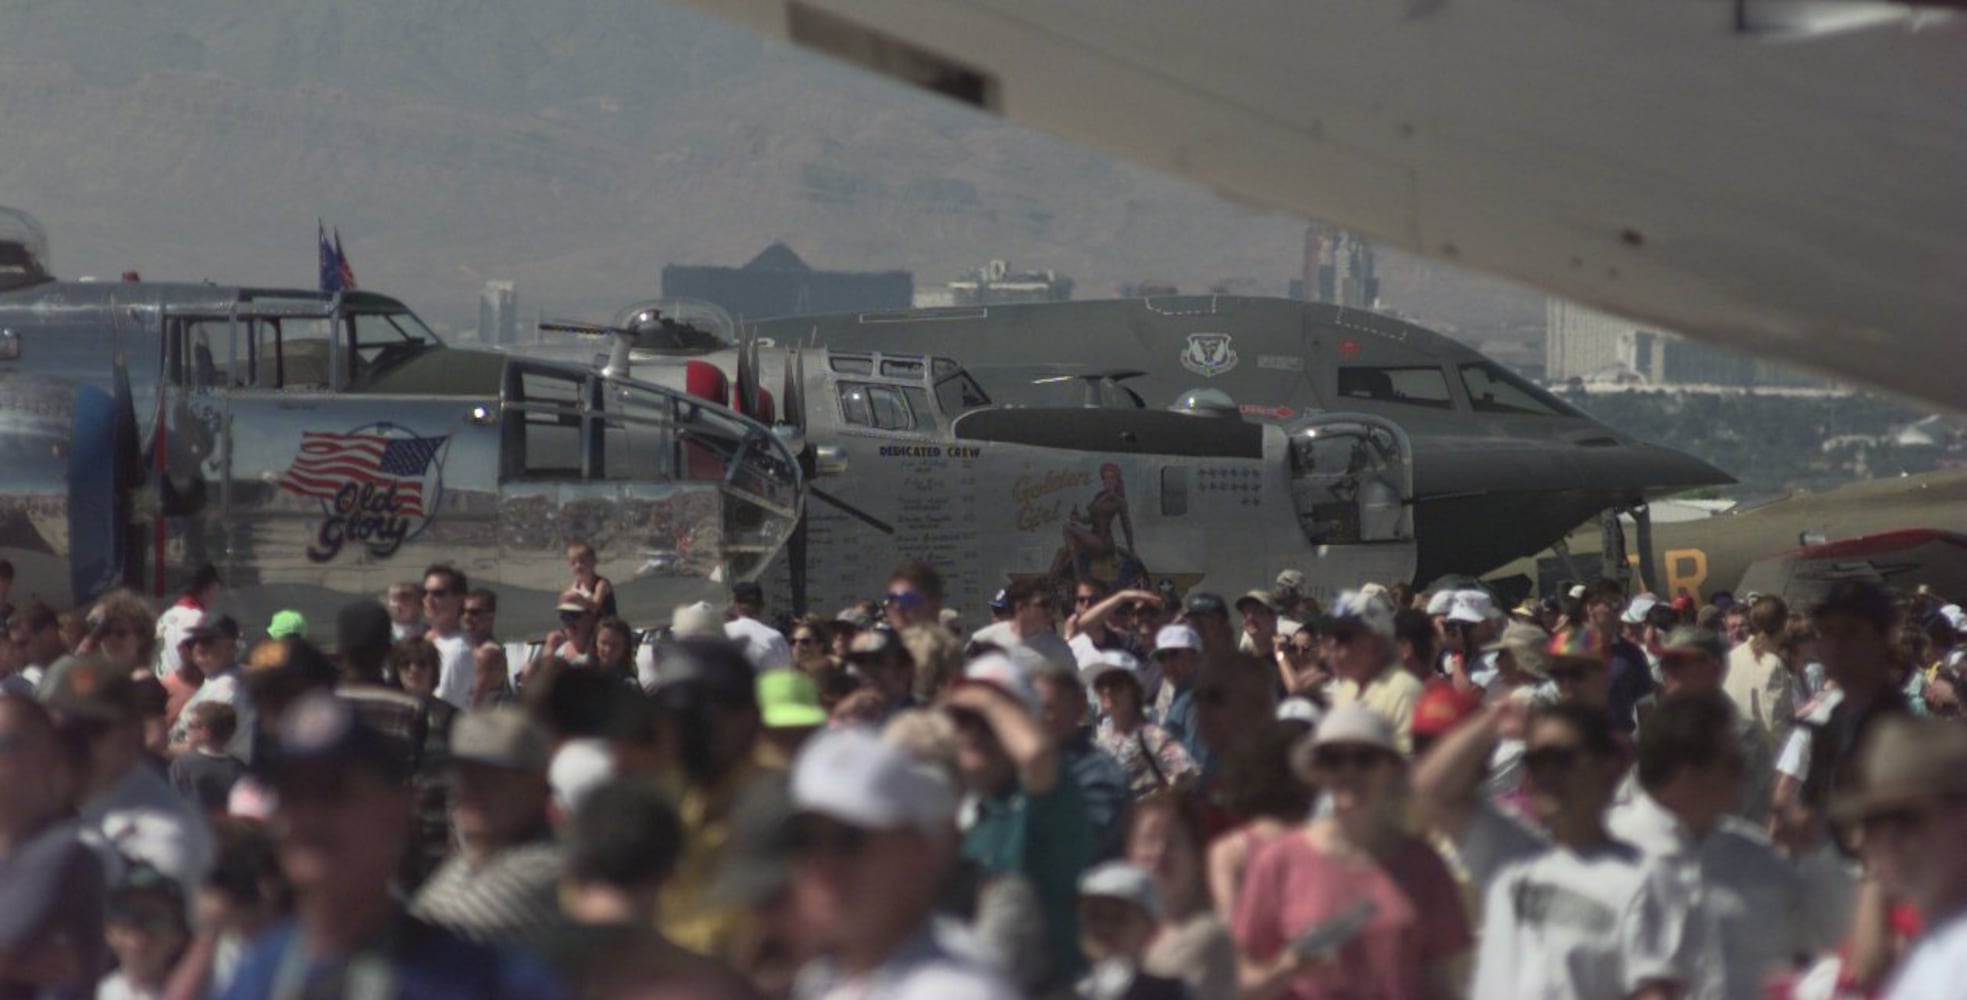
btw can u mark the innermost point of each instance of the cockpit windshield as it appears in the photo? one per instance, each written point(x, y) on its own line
point(379, 340)
point(1495, 389)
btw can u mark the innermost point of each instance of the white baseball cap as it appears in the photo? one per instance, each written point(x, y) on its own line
point(696, 621)
point(1110, 661)
point(1299, 710)
point(1637, 610)
point(1173, 637)
point(579, 767)
point(1472, 606)
point(1355, 723)
point(854, 776)
point(1441, 601)
point(1007, 675)
point(1955, 617)
point(1365, 609)
point(1123, 881)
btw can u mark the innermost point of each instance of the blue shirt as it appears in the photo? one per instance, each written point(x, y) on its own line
point(423, 961)
point(1103, 786)
point(1180, 723)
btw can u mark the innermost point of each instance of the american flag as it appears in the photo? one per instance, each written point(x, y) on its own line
point(328, 462)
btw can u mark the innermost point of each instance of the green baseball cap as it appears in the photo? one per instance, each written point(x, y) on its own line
point(286, 623)
point(788, 699)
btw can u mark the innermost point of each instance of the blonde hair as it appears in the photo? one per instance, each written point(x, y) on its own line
point(938, 658)
point(927, 735)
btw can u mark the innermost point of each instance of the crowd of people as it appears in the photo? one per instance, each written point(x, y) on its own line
point(1397, 795)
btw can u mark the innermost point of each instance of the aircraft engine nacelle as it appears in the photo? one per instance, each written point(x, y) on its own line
point(63, 501)
point(1352, 480)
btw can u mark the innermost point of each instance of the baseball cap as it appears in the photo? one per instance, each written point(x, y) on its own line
point(1001, 600)
point(286, 623)
point(1358, 607)
point(1204, 603)
point(1442, 707)
point(1440, 602)
point(854, 776)
point(1299, 710)
point(1526, 611)
point(1471, 606)
point(322, 731)
point(1527, 644)
point(1905, 760)
point(1291, 580)
point(212, 626)
point(1003, 673)
point(1355, 723)
point(875, 644)
point(694, 621)
point(1258, 597)
point(574, 604)
point(362, 626)
point(93, 689)
point(1580, 643)
point(500, 736)
point(1687, 639)
point(788, 699)
point(579, 767)
point(1123, 881)
point(1110, 661)
point(1173, 637)
point(1638, 608)
point(1954, 617)
point(857, 617)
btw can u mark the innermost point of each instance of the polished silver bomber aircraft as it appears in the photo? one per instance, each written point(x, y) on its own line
point(1081, 477)
point(1501, 468)
point(317, 448)
point(1780, 177)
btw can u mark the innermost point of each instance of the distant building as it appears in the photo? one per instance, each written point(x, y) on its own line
point(778, 283)
point(1587, 344)
point(1338, 268)
point(995, 284)
point(498, 314)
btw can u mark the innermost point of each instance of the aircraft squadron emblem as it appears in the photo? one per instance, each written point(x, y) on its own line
point(379, 486)
point(1208, 354)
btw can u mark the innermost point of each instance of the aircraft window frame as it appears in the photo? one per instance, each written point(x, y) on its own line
point(965, 386)
point(865, 412)
point(1542, 404)
point(405, 343)
point(913, 369)
point(529, 414)
point(851, 364)
point(1415, 377)
point(921, 410)
point(638, 427)
point(902, 418)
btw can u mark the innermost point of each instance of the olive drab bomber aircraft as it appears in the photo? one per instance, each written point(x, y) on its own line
point(1081, 480)
point(318, 448)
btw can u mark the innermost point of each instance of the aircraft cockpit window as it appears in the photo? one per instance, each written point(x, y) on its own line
point(944, 367)
point(848, 364)
point(1415, 386)
point(878, 406)
point(1495, 389)
point(901, 368)
point(959, 394)
point(379, 340)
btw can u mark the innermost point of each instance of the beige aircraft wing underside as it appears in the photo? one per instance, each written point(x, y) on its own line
point(1781, 177)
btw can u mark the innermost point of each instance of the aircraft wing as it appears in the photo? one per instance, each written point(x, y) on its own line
point(1780, 177)
point(1902, 559)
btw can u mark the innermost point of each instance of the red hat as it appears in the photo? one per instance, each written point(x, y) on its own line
point(1442, 707)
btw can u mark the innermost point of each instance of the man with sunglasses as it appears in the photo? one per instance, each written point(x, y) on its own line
point(870, 846)
point(1907, 810)
point(1359, 648)
point(443, 607)
point(914, 595)
point(212, 652)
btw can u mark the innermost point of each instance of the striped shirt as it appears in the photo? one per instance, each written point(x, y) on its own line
point(509, 899)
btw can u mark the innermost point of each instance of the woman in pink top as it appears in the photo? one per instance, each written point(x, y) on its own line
point(1358, 856)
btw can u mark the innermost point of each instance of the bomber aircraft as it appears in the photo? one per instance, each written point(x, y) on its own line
point(1083, 479)
point(1501, 467)
point(317, 448)
point(1901, 532)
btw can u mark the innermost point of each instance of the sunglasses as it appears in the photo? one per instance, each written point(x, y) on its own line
point(569, 617)
point(1340, 758)
point(1569, 674)
point(902, 599)
point(1082, 600)
point(1550, 760)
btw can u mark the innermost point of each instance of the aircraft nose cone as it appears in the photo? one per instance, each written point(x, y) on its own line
point(1658, 470)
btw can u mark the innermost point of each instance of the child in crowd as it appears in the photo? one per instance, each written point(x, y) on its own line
point(205, 773)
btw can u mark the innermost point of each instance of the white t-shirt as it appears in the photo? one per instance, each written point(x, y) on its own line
point(1936, 967)
point(763, 645)
point(457, 671)
point(1563, 924)
point(1751, 913)
point(1286, 628)
point(171, 628)
point(1045, 644)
